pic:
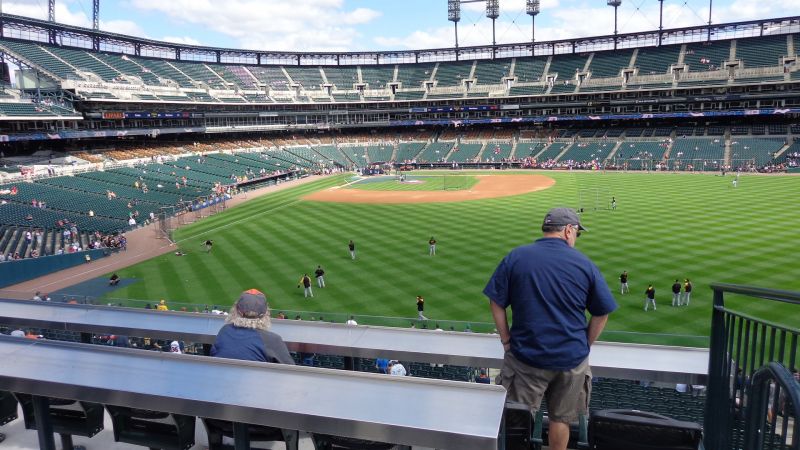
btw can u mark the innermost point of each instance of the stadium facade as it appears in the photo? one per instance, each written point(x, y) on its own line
point(87, 83)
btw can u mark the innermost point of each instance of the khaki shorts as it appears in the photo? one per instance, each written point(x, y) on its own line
point(567, 392)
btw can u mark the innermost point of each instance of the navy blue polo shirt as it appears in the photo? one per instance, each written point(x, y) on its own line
point(549, 286)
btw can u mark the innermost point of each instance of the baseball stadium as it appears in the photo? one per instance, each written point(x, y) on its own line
point(149, 190)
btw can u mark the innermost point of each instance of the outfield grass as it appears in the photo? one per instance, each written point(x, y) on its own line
point(666, 226)
point(418, 183)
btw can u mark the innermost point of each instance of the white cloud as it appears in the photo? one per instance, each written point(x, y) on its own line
point(38, 10)
point(271, 24)
point(565, 19)
point(127, 27)
point(186, 40)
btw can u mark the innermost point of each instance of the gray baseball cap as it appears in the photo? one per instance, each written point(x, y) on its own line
point(252, 304)
point(563, 216)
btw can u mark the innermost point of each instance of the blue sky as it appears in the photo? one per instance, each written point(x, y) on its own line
point(340, 25)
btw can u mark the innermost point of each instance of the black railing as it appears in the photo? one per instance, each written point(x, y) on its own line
point(774, 404)
point(741, 345)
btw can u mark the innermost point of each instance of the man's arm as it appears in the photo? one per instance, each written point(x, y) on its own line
point(501, 323)
point(596, 325)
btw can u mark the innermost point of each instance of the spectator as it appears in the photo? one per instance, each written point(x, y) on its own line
point(162, 305)
point(37, 296)
point(175, 347)
point(483, 377)
point(246, 334)
point(119, 341)
point(396, 369)
point(382, 364)
point(18, 333)
point(352, 321)
point(549, 285)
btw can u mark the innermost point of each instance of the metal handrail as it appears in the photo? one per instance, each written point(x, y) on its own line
point(752, 291)
point(754, 431)
point(732, 345)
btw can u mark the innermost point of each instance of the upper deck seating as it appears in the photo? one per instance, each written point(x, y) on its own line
point(308, 77)
point(762, 51)
point(609, 64)
point(707, 55)
point(42, 58)
point(492, 71)
point(377, 77)
point(452, 73)
point(566, 66)
point(529, 69)
point(86, 61)
point(656, 60)
point(413, 75)
point(343, 77)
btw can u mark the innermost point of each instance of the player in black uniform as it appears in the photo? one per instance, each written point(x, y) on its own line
point(623, 283)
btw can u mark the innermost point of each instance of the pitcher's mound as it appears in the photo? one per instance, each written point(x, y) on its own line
point(488, 186)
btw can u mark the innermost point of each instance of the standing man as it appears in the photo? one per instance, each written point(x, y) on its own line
point(613, 203)
point(687, 292)
point(432, 247)
point(623, 283)
point(208, 244)
point(650, 297)
point(320, 275)
point(676, 293)
point(549, 285)
point(352, 246)
point(305, 280)
point(421, 308)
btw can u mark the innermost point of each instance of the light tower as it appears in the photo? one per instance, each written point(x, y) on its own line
point(96, 15)
point(51, 16)
point(660, 20)
point(493, 12)
point(454, 15)
point(615, 4)
point(532, 8)
point(710, 4)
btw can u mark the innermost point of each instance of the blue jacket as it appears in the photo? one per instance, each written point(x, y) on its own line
point(250, 345)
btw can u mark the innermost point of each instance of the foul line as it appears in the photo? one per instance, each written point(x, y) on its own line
point(239, 221)
point(155, 252)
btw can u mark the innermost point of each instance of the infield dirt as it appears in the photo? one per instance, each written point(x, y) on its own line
point(488, 186)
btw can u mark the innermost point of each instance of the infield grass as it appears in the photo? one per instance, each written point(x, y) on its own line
point(666, 226)
point(418, 183)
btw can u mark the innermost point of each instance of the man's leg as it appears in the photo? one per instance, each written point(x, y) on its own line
point(688, 296)
point(559, 435)
point(646, 304)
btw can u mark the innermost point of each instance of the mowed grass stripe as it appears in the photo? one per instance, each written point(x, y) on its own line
point(667, 226)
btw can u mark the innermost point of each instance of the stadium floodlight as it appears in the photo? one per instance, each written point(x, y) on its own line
point(96, 15)
point(51, 10)
point(454, 15)
point(493, 9)
point(532, 8)
point(615, 4)
point(454, 10)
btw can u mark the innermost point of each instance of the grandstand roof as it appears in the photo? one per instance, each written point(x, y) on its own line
point(55, 33)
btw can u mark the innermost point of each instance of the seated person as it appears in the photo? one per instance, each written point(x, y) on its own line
point(246, 334)
point(114, 280)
